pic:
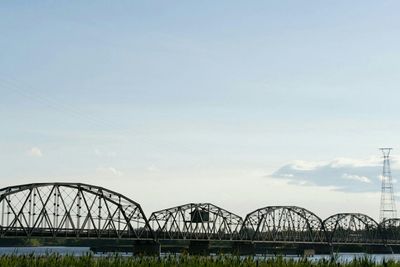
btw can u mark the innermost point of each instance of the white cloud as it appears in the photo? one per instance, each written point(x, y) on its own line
point(109, 170)
point(35, 152)
point(152, 168)
point(344, 162)
point(344, 174)
point(340, 162)
point(355, 177)
point(302, 165)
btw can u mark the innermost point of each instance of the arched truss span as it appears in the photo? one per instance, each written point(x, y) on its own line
point(390, 229)
point(202, 221)
point(283, 224)
point(352, 228)
point(70, 210)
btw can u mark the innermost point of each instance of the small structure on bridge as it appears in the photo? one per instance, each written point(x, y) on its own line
point(196, 221)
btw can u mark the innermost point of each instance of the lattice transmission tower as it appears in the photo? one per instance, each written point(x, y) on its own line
point(388, 205)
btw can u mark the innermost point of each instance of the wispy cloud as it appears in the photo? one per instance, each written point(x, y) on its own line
point(152, 168)
point(35, 152)
point(109, 171)
point(344, 174)
point(355, 177)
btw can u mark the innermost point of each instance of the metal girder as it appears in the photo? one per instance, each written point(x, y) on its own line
point(202, 221)
point(283, 224)
point(352, 228)
point(390, 229)
point(76, 210)
point(70, 210)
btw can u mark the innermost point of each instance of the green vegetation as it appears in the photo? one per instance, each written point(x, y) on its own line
point(169, 261)
point(32, 242)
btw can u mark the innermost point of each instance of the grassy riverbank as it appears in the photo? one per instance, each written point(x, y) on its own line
point(184, 261)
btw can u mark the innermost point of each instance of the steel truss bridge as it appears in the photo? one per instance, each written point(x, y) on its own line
point(76, 214)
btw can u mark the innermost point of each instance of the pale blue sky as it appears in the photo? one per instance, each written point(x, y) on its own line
point(175, 95)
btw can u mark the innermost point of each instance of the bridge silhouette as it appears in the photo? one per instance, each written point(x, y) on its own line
point(76, 214)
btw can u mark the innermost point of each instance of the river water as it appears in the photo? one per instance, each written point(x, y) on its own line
point(80, 251)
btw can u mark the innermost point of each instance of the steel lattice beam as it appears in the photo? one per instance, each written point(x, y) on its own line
point(70, 210)
point(75, 210)
point(203, 221)
point(391, 230)
point(283, 224)
point(352, 228)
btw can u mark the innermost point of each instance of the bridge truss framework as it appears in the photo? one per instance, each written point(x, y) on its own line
point(70, 210)
point(82, 212)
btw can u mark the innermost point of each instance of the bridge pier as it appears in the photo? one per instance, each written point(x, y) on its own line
point(394, 248)
point(147, 247)
point(206, 247)
point(137, 247)
point(309, 249)
point(364, 248)
point(301, 249)
point(243, 248)
point(199, 247)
